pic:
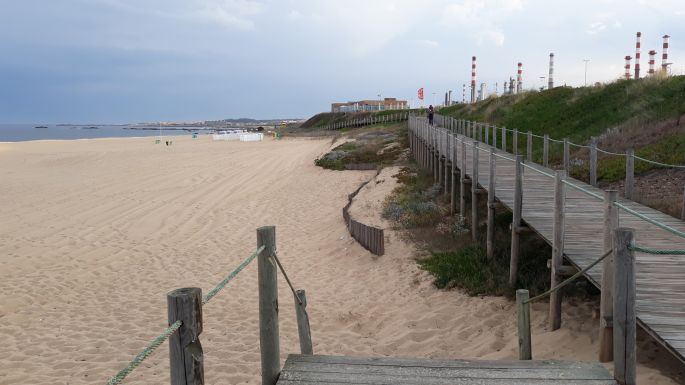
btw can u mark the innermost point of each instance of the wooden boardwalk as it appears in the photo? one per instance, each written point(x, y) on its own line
point(330, 370)
point(660, 278)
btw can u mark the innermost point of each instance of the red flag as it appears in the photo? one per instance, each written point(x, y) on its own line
point(421, 93)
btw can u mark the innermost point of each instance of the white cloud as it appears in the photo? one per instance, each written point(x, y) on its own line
point(475, 16)
point(229, 13)
point(428, 43)
point(295, 15)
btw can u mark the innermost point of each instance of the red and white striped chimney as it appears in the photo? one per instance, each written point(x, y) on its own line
point(652, 55)
point(627, 67)
point(473, 79)
point(519, 78)
point(550, 78)
point(637, 56)
point(664, 55)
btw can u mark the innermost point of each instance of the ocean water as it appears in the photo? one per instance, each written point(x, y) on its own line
point(24, 132)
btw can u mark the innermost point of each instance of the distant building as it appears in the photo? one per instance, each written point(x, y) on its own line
point(370, 105)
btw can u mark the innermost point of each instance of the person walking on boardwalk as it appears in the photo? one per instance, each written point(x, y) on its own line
point(430, 114)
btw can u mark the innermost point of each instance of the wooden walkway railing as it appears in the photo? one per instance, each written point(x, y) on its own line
point(577, 219)
point(369, 120)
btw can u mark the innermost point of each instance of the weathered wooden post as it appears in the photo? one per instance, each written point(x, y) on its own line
point(529, 147)
point(567, 156)
point(523, 316)
point(516, 221)
point(487, 133)
point(504, 139)
point(624, 308)
point(453, 195)
point(474, 193)
point(682, 212)
point(269, 342)
point(494, 136)
point(303, 329)
point(545, 151)
point(490, 243)
point(463, 181)
point(557, 249)
point(479, 127)
point(593, 162)
point(515, 142)
point(606, 310)
point(630, 172)
point(185, 350)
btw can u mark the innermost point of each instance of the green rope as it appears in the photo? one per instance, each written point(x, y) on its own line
point(650, 220)
point(149, 349)
point(140, 357)
point(210, 294)
point(569, 280)
point(586, 191)
point(655, 251)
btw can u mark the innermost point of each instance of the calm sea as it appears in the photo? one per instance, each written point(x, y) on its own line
point(23, 132)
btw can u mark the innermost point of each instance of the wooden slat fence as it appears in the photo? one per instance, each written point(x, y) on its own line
point(370, 237)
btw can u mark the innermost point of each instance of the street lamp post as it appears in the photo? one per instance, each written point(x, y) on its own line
point(379, 102)
point(586, 61)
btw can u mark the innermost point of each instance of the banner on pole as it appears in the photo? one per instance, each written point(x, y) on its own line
point(421, 93)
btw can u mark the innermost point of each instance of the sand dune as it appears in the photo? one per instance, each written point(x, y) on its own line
point(94, 233)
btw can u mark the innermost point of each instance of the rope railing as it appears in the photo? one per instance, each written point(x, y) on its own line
point(649, 250)
point(597, 148)
point(157, 341)
point(570, 279)
point(591, 193)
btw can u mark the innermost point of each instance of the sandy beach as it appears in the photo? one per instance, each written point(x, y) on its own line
point(94, 233)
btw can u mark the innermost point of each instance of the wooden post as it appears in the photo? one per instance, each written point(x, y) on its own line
point(545, 151)
point(268, 305)
point(474, 193)
point(494, 136)
point(303, 329)
point(529, 147)
point(557, 249)
point(185, 350)
point(606, 310)
point(453, 195)
point(462, 185)
point(624, 308)
point(490, 243)
point(487, 133)
point(515, 142)
point(479, 128)
point(567, 156)
point(682, 212)
point(523, 315)
point(593, 162)
point(504, 139)
point(630, 172)
point(516, 221)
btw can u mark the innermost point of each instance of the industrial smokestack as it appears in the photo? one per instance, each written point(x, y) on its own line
point(511, 85)
point(652, 55)
point(481, 94)
point(637, 56)
point(463, 93)
point(519, 78)
point(550, 78)
point(473, 79)
point(449, 98)
point(664, 55)
point(627, 67)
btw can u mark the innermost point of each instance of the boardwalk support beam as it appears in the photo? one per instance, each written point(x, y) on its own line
point(606, 309)
point(624, 308)
point(516, 221)
point(490, 242)
point(474, 194)
point(557, 250)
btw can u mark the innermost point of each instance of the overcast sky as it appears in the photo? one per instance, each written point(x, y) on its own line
point(147, 60)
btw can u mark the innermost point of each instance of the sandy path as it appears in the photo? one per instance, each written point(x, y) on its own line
point(93, 233)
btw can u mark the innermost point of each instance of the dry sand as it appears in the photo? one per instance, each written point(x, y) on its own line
point(94, 233)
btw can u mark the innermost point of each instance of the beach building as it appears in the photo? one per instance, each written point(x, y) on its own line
point(370, 105)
